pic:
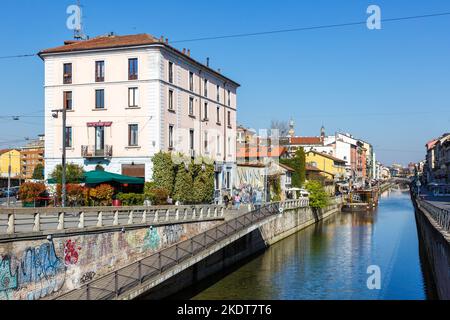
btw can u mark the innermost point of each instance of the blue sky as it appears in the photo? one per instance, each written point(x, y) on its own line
point(389, 87)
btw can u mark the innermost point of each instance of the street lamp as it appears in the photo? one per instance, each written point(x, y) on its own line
point(63, 174)
point(418, 184)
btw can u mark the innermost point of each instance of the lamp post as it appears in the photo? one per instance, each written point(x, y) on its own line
point(63, 160)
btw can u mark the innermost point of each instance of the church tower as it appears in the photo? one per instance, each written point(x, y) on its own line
point(291, 132)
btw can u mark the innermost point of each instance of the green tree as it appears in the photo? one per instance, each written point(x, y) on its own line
point(184, 184)
point(298, 163)
point(318, 198)
point(74, 173)
point(203, 187)
point(38, 172)
point(164, 171)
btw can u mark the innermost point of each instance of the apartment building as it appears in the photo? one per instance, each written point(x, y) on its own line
point(31, 155)
point(129, 97)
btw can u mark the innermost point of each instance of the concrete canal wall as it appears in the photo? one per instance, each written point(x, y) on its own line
point(42, 268)
point(275, 229)
point(437, 249)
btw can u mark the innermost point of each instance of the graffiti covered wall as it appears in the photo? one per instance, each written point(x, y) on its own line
point(32, 270)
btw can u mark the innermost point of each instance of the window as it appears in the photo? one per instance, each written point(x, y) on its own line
point(100, 99)
point(133, 69)
point(191, 81)
point(68, 137)
point(206, 88)
point(170, 100)
point(133, 97)
point(206, 141)
point(191, 139)
point(99, 71)
point(218, 145)
point(68, 100)
point(228, 179)
point(229, 98)
point(171, 72)
point(170, 137)
point(229, 118)
point(191, 106)
point(218, 93)
point(132, 135)
point(67, 76)
point(229, 145)
point(205, 111)
point(218, 114)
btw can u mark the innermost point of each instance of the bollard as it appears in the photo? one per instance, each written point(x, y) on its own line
point(37, 222)
point(60, 221)
point(11, 228)
point(81, 220)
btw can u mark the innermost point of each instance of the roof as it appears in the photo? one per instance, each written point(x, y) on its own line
point(430, 144)
point(309, 167)
point(126, 41)
point(305, 141)
point(262, 151)
point(326, 155)
point(2, 151)
point(286, 167)
point(103, 42)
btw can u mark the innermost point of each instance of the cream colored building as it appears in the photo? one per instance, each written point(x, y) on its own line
point(130, 97)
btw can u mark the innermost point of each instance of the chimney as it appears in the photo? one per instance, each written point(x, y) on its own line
point(207, 62)
point(167, 40)
point(184, 50)
point(189, 52)
point(218, 70)
point(161, 39)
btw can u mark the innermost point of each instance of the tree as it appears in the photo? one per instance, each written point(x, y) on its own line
point(203, 187)
point(318, 198)
point(298, 163)
point(38, 173)
point(74, 173)
point(184, 184)
point(163, 171)
point(281, 126)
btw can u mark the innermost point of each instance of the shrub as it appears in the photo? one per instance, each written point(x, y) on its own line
point(30, 191)
point(158, 196)
point(163, 171)
point(131, 199)
point(184, 184)
point(75, 194)
point(102, 195)
point(203, 187)
point(298, 163)
point(318, 198)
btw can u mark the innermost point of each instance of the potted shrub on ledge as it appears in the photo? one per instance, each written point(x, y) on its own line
point(30, 192)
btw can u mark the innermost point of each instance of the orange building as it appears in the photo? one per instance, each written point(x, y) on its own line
point(30, 156)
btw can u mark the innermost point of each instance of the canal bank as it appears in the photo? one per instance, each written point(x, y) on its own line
point(329, 260)
point(252, 242)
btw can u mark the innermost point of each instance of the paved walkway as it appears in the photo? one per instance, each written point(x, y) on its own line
point(440, 202)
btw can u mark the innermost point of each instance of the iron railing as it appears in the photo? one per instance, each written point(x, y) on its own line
point(440, 216)
point(113, 285)
point(93, 152)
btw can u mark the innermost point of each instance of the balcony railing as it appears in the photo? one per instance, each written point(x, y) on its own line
point(93, 152)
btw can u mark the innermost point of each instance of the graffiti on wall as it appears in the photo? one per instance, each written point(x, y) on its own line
point(39, 269)
point(87, 277)
point(70, 253)
point(151, 239)
point(171, 234)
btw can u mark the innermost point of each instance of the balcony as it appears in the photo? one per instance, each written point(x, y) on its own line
point(90, 152)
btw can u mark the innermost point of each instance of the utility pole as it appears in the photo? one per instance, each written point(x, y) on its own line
point(63, 162)
point(9, 178)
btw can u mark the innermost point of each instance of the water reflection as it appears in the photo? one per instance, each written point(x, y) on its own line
point(329, 260)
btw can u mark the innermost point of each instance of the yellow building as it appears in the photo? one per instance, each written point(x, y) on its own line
point(331, 167)
point(8, 156)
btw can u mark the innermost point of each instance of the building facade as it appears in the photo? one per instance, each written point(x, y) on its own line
point(129, 97)
point(10, 157)
point(30, 156)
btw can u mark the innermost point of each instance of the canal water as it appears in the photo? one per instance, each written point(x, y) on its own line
point(330, 260)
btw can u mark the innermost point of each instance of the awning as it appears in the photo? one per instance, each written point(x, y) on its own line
point(98, 176)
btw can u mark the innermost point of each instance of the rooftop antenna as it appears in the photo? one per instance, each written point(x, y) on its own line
point(78, 33)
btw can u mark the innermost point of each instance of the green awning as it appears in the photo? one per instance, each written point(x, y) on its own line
point(98, 176)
